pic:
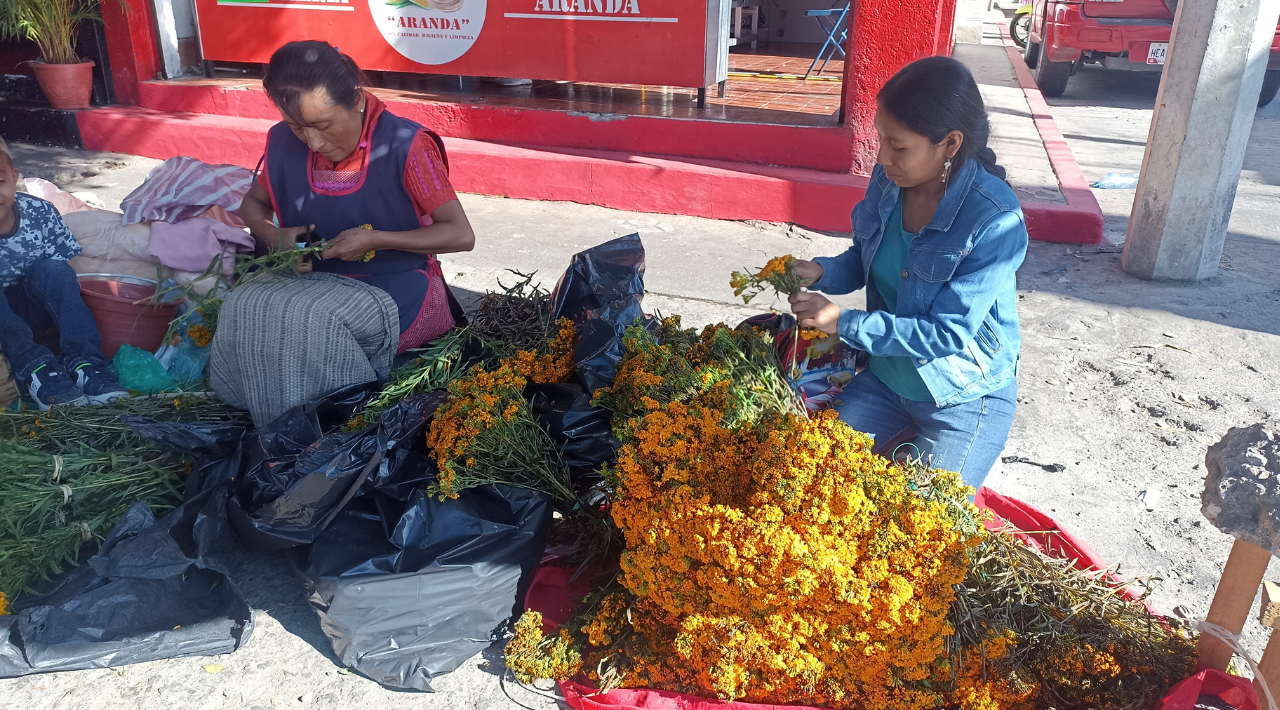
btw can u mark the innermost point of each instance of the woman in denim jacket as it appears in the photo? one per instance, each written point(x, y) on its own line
point(937, 242)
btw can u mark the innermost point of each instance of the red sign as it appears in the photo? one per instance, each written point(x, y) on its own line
point(654, 42)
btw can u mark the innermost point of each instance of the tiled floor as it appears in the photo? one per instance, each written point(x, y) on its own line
point(755, 93)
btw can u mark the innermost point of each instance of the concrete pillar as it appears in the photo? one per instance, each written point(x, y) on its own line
point(1195, 150)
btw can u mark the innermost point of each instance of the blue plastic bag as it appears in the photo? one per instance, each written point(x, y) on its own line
point(187, 364)
point(1118, 181)
point(185, 361)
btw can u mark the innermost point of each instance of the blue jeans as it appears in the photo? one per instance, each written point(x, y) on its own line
point(47, 294)
point(966, 438)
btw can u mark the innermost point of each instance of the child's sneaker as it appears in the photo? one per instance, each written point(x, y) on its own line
point(49, 386)
point(97, 383)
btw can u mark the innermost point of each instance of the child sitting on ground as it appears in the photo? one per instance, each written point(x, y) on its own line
point(38, 287)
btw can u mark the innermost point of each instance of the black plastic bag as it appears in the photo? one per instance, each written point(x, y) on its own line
point(583, 433)
point(772, 323)
point(156, 589)
point(296, 479)
point(409, 591)
point(215, 446)
point(601, 293)
point(203, 441)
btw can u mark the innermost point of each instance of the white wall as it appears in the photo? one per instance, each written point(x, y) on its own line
point(796, 26)
point(184, 18)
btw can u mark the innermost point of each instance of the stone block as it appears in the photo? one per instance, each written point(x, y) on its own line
point(1242, 490)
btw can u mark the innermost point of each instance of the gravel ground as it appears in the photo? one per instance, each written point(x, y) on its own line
point(1125, 383)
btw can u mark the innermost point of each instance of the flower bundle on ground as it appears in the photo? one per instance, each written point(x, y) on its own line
point(521, 313)
point(51, 504)
point(768, 556)
point(775, 558)
point(67, 475)
point(779, 274)
point(1080, 642)
point(675, 365)
point(486, 433)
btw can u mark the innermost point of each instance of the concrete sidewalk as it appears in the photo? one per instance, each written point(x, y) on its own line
point(1124, 382)
point(1014, 137)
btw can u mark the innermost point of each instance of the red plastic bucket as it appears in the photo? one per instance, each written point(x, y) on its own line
point(123, 315)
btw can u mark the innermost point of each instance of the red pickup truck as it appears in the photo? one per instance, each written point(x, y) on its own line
point(1117, 34)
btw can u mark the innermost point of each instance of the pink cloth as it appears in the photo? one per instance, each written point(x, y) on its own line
point(182, 187)
point(222, 215)
point(63, 201)
point(192, 244)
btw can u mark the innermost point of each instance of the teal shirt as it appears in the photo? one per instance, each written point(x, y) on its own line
point(898, 373)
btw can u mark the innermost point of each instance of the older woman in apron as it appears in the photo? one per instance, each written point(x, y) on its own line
point(375, 186)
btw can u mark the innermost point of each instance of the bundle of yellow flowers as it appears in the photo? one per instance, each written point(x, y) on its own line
point(793, 565)
point(555, 365)
point(486, 433)
point(4, 605)
point(775, 558)
point(768, 556)
point(779, 273)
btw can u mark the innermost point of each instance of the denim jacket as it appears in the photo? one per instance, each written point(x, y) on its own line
point(957, 315)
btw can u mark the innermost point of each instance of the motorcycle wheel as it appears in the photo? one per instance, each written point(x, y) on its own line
point(1020, 29)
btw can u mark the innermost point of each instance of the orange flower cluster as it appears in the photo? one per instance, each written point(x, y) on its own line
point(979, 687)
point(531, 656)
point(555, 366)
point(4, 605)
point(778, 273)
point(781, 565)
point(812, 334)
point(478, 404)
point(652, 375)
point(199, 335)
point(777, 266)
point(485, 433)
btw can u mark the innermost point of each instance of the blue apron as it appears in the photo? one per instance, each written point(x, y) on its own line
point(381, 200)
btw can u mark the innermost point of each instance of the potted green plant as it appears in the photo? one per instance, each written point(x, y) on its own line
point(54, 25)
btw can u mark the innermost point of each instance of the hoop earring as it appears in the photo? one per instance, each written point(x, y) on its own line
point(946, 171)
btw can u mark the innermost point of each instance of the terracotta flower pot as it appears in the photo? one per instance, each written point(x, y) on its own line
point(67, 86)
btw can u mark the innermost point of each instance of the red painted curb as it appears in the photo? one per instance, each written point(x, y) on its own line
point(1080, 220)
point(701, 188)
point(229, 125)
point(827, 149)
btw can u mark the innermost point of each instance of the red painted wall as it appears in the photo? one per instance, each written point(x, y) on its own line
point(885, 36)
point(131, 46)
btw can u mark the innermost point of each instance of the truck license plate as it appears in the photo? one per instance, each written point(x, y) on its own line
point(1156, 54)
